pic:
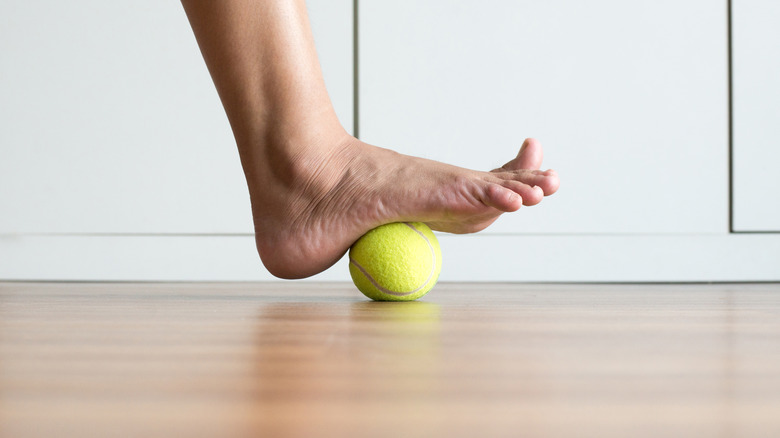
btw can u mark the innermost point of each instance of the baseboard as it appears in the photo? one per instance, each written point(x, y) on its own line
point(482, 257)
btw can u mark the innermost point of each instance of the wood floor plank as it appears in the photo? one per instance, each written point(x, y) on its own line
point(317, 359)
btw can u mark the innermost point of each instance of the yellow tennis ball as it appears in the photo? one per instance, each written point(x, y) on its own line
point(396, 262)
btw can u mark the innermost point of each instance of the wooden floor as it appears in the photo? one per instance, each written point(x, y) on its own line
point(472, 360)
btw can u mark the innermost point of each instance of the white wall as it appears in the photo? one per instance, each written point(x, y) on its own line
point(756, 115)
point(117, 162)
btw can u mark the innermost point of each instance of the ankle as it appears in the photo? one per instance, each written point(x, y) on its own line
point(287, 156)
point(275, 140)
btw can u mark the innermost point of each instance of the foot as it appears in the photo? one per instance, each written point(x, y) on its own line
point(310, 206)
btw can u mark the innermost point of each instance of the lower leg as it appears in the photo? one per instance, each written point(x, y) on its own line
point(261, 56)
point(314, 188)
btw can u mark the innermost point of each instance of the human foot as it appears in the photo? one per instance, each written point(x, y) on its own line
point(311, 202)
point(315, 189)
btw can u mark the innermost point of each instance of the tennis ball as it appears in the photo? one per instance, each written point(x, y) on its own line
point(396, 262)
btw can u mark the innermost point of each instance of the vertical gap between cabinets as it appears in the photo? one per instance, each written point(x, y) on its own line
point(730, 60)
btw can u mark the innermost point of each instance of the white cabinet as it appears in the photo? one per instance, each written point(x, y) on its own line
point(630, 100)
point(114, 144)
point(111, 124)
point(756, 106)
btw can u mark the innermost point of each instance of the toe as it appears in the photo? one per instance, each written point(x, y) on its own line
point(531, 195)
point(550, 183)
point(502, 198)
point(529, 157)
point(546, 180)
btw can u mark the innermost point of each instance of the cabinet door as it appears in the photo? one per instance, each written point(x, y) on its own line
point(111, 124)
point(756, 76)
point(630, 100)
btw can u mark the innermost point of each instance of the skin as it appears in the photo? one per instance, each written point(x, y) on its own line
point(314, 188)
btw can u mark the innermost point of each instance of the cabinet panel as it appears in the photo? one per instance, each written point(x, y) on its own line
point(630, 100)
point(111, 124)
point(756, 76)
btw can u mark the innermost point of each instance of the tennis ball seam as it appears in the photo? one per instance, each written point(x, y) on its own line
point(402, 294)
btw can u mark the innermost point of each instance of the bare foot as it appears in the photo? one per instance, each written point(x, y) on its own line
point(311, 202)
point(315, 189)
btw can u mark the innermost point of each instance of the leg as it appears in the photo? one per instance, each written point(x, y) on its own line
point(314, 188)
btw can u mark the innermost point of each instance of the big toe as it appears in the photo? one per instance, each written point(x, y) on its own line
point(529, 157)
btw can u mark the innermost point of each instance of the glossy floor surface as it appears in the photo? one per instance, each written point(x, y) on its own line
point(312, 359)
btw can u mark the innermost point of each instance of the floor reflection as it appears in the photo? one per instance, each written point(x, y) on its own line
point(330, 361)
